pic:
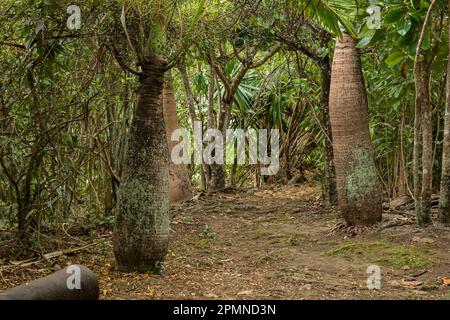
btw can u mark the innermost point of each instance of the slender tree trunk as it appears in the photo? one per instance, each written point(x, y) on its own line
point(115, 149)
point(191, 106)
point(142, 218)
point(234, 168)
point(416, 156)
point(286, 146)
point(358, 187)
point(187, 88)
point(211, 89)
point(444, 206)
point(179, 182)
point(422, 194)
point(331, 197)
point(211, 121)
point(218, 173)
point(402, 181)
point(423, 85)
point(257, 178)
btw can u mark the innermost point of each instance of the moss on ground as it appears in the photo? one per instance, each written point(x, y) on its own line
point(385, 254)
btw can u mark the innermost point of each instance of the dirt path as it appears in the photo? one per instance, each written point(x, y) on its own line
point(279, 244)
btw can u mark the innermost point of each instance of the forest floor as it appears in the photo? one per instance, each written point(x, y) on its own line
point(277, 243)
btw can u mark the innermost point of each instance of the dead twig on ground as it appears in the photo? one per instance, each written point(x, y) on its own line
point(47, 256)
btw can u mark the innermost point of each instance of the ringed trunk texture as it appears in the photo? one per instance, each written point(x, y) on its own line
point(179, 183)
point(444, 207)
point(359, 192)
point(142, 218)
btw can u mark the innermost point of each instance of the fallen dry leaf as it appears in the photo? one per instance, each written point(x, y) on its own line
point(446, 280)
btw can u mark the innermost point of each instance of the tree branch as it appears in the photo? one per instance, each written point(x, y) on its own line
point(269, 55)
point(120, 60)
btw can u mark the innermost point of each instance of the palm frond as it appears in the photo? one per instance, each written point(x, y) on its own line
point(331, 14)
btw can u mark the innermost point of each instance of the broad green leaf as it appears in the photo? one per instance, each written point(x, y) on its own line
point(366, 38)
point(394, 58)
point(393, 15)
point(404, 27)
point(124, 25)
point(426, 41)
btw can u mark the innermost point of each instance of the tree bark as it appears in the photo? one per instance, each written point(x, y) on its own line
point(444, 206)
point(179, 182)
point(218, 173)
point(423, 86)
point(359, 192)
point(191, 106)
point(422, 74)
point(142, 218)
point(187, 88)
point(211, 123)
point(416, 156)
point(331, 197)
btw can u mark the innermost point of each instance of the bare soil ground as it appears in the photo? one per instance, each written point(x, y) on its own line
point(277, 243)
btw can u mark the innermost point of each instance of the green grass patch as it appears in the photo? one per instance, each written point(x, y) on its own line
point(386, 254)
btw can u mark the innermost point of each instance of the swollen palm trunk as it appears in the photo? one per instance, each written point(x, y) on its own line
point(359, 193)
point(179, 183)
point(142, 218)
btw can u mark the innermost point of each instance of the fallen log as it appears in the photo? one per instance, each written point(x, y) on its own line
point(75, 282)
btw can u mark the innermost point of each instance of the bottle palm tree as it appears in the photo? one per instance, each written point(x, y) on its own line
point(359, 192)
point(358, 187)
point(142, 218)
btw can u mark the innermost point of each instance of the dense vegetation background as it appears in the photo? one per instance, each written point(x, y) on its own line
point(80, 151)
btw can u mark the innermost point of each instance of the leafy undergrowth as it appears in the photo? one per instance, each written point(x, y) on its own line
point(264, 244)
